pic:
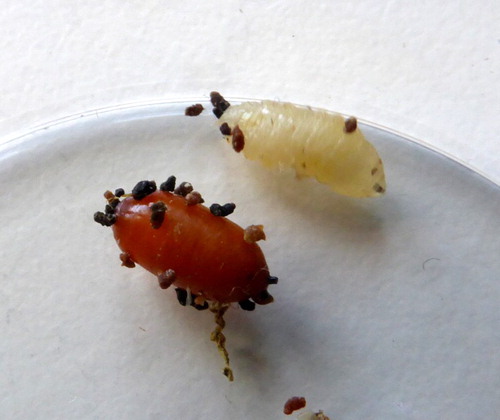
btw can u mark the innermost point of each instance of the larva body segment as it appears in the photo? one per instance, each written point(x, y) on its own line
point(315, 143)
point(185, 244)
point(207, 253)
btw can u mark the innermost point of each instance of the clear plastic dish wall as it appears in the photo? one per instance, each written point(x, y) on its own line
point(386, 308)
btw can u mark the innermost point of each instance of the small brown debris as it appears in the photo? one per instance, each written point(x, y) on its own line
point(321, 416)
point(238, 141)
point(108, 195)
point(194, 110)
point(200, 307)
point(263, 298)
point(247, 305)
point(199, 300)
point(225, 129)
point(158, 210)
point(222, 211)
point(127, 260)
point(109, 209)
point(294, 404)
point(166, 279)
point(143, 189)
point(182, 296)
point(374, 171)
point(254, 233)
point(119, 192)
point(183, 189)
point(185, 298)
point(169, 184)
point(105, 219)
point(378, 188)
point(114, 202)
point(228, 373)
point(272, 280)
point(193, 198)
point(228, 209)
point(350, 124)
point(219, 103)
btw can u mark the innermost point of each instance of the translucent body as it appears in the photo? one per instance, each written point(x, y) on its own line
point(312, 142)
point(207, 253)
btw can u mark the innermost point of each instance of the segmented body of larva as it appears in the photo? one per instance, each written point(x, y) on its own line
point(211, 261)
point(315, 143)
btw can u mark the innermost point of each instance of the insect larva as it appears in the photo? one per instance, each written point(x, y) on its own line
point(214, 258)
point(210, 260)
point(315, 143)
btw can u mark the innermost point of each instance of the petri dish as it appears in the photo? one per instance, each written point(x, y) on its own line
point(385, 308)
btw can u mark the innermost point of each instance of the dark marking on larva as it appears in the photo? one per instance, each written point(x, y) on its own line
point(105, 219)
point(254, 233)
point(193, 198)
point(247, 305)
point(225, 129)
point(193, 110)
point(126, 260)
point(263, 298)
point(350, 124)
point(183, 189)
point(119, 192)
point(158, 210)
point(169, 184)
point(238, 140)
point(166, 279)
point(222, 211)
point(378, 188)
point(374, 171)
point(143, 189)
point(219, 103)
point(272, 280)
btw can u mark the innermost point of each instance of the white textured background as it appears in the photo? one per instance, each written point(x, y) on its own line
point(429, 69)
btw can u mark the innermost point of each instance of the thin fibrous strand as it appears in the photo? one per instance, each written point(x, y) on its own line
point(219, 309)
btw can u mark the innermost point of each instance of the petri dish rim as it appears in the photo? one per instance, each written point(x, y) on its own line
point(17, 138)
point(397, 319)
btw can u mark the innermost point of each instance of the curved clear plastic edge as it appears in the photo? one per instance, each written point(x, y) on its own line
point(18, 137)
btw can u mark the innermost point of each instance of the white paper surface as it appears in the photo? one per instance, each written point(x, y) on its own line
point(83, 339)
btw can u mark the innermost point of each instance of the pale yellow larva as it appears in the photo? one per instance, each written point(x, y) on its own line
point(315, 143)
